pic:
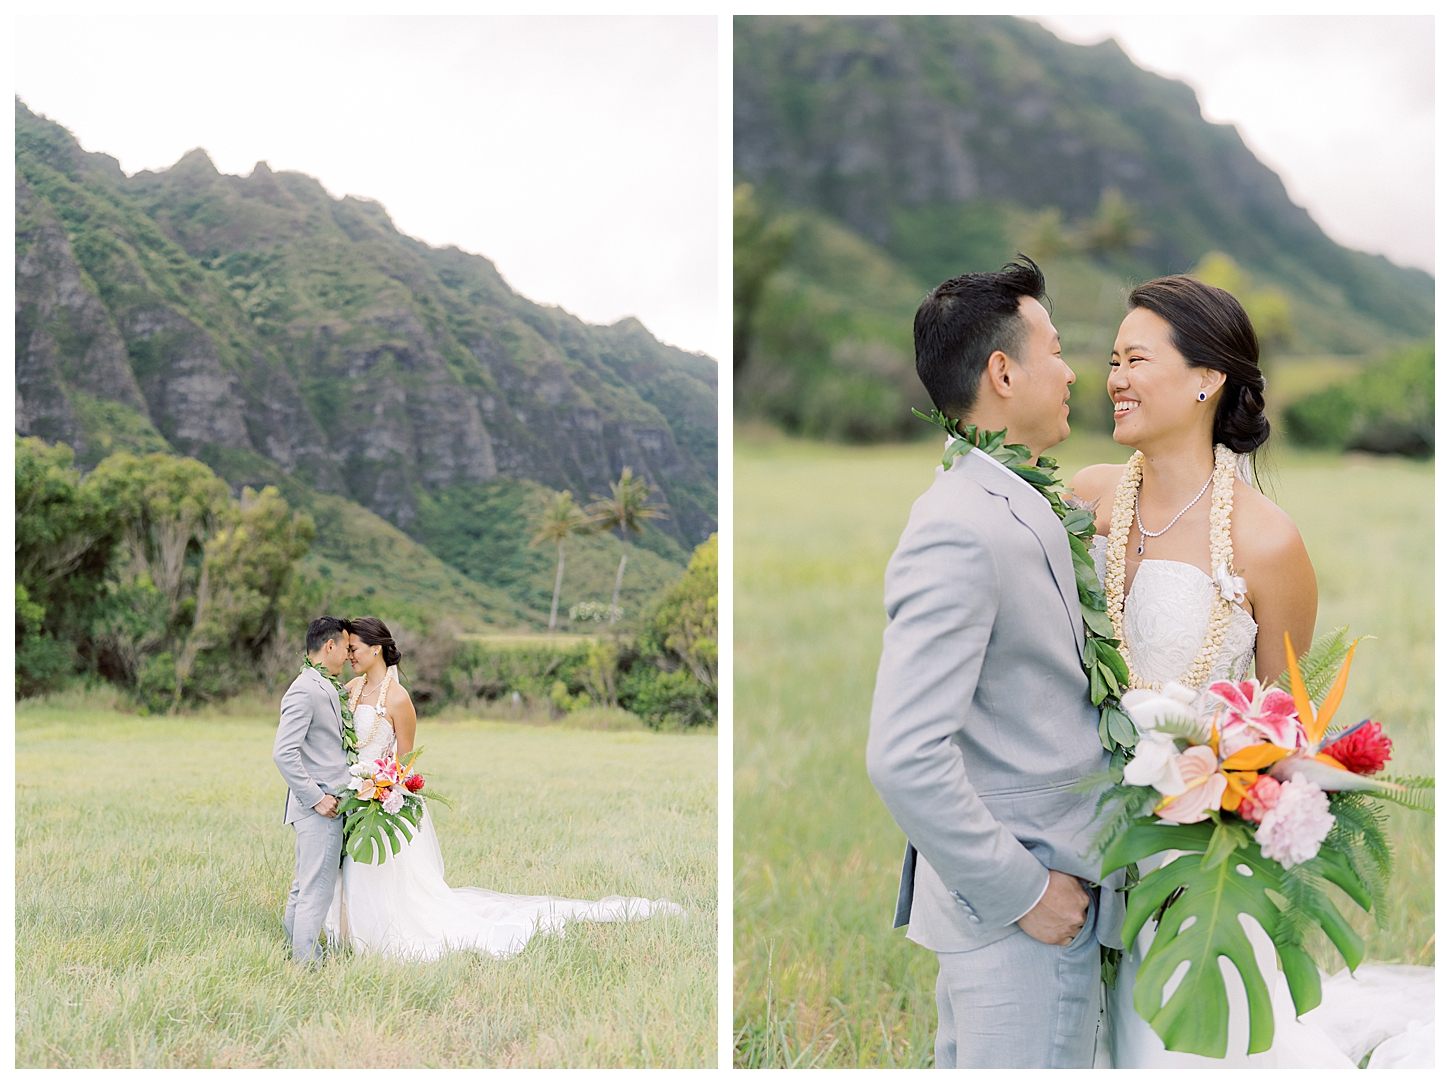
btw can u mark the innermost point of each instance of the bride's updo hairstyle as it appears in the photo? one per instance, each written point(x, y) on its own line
point(374, 633)
point(1212, 331)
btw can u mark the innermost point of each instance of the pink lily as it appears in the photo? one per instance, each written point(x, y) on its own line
point(1251, 714)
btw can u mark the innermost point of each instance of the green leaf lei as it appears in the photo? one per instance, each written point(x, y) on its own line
point(349, 735)
point(1107, 673)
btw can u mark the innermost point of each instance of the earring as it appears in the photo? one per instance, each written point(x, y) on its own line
point(1203, 397)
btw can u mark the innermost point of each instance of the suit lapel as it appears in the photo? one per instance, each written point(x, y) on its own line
point(1033, 512)
point(332, 700)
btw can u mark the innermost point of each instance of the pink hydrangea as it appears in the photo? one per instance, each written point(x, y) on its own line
point(394, 801)
point(1251, 715)
point(1293, 829)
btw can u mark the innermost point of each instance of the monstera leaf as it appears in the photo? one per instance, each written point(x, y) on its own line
point(1223, 876)
point(369, 834)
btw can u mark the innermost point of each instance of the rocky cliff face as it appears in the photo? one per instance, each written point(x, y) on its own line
point(256, 323)
point(889, 122)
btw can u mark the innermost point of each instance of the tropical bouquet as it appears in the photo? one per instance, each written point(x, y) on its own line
point(386, 802)
point(1262, 804)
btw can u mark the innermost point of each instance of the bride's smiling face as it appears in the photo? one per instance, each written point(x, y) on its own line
point(1154, 390)
point(361, 655)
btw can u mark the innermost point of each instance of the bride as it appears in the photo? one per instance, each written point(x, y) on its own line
point(1193, 608)
point(403, 906)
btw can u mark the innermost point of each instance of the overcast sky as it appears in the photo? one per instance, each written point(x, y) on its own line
point(576, 152)
point(1341, 107)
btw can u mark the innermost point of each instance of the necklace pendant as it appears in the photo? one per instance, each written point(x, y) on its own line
point(1140, 549)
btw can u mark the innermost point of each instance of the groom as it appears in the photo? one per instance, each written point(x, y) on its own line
point(982, 723)
point(309, 754)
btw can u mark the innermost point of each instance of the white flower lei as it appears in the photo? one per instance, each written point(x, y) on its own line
point(380, 709)
point(1220, 559)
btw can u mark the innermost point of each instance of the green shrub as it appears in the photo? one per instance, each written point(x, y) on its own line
point(672, 684)
point(491, 672)
point(665, 699)
point(1389, 409)
point(42, 663)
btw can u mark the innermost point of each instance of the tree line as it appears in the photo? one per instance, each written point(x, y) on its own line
point(148, 574)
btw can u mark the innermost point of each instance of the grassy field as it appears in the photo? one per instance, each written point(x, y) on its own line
point(820, 977)
point(152, 868)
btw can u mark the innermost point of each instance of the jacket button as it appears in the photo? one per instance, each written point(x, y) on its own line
point(973, 918)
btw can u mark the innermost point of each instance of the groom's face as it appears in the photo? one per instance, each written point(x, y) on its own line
point(333, 655)
point(1041, 388)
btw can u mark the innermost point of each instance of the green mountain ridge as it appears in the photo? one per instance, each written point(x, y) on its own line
point(884, 154)
point(285, 337)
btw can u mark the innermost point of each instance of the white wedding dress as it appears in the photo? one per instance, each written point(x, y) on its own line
point(403, 907)
point(1165, 618)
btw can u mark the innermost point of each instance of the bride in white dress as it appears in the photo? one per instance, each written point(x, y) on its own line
point(1184, 379)
point(403, 907)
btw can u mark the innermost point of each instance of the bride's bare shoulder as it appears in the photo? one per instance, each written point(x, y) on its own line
point(1097, 483)
point(1092, 482)
point(1263, 530)
point(399, 694)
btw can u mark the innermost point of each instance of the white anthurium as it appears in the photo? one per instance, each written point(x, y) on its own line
point(1176, 705)
point(1155, 764)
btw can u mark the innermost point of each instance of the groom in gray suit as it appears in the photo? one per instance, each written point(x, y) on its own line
point(981, 724)
point(309, 754)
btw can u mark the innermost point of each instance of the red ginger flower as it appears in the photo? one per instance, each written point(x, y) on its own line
point(1363, 750)
point(414, 783)
point(1261, 798)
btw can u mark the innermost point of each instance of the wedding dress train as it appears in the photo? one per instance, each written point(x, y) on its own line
point(403, 907)
point(1165, 617)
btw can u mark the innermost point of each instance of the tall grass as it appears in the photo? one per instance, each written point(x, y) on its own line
point(152, 867)
point(820, 977)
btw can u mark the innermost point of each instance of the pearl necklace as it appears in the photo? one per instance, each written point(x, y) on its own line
point(1145, 533)
point(381, 707)
point(1220, 554)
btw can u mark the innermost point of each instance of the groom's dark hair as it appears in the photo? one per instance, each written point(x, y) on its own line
point(324, 629)
point(963, 321)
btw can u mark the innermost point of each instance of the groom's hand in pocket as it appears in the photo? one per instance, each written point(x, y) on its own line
point(1060, 913)
point(328, 808)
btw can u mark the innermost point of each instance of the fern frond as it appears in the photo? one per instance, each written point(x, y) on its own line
point(1195, 731)
point(1319, 666)
point(1301, 890)
point(1125, 804)
point(1359, 834)
point(1419, 792)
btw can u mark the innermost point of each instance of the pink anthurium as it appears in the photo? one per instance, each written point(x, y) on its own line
point(1198, 768)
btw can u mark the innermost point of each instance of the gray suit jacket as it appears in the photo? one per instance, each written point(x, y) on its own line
point(308, 751)
point(981, 724)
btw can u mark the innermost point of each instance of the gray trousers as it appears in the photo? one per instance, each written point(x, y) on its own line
point(319, 854)
point(1020, 1004)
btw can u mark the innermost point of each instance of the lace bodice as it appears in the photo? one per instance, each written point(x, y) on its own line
point(1165, 618)
point(374, 732)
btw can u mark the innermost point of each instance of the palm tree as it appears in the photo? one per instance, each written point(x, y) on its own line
point(560, 518)
point(626, 507)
